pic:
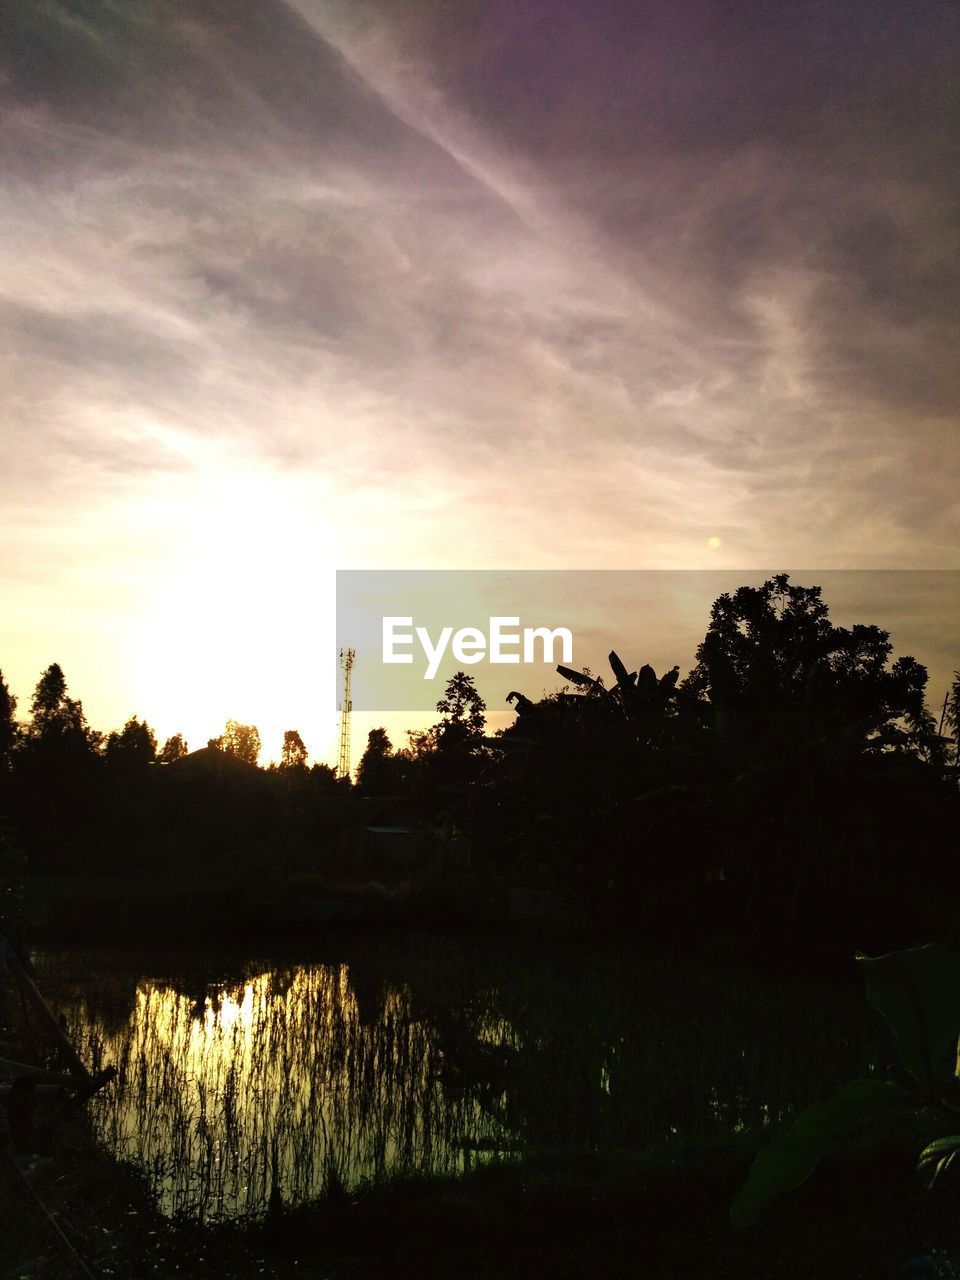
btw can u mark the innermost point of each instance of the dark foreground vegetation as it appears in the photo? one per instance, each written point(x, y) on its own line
point(791, 799)
point(568, 1215)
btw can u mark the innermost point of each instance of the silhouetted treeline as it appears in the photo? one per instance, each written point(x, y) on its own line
point(793, 783)
point(75, 800)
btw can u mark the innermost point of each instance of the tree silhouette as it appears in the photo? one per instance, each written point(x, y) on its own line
point(772, 661)
point(421, 743)
point(57, 718)
point(794, 765)
point(173, 749)
point(57, 770)
point(462, 709)
point(8, 722)
point(241, 741)
point(950, 719)
point(293, 755)
point(133, 748)
point(376, 771)
point(50, 708)
point(325, 780)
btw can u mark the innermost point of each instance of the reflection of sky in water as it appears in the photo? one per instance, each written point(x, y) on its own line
point(423, 1055)
point(286, 1059)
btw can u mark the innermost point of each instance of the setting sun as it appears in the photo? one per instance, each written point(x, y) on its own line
point(240, 611)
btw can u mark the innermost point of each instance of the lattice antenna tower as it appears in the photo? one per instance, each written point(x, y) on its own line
point(346, 706)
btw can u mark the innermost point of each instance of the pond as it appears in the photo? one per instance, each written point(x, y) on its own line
point(402, 1054)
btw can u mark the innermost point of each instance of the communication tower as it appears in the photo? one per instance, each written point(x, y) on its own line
point(346, 706)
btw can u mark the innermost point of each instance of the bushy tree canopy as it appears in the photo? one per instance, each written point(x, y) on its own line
point(134, 747)
point(774, 646)
point(242, 741)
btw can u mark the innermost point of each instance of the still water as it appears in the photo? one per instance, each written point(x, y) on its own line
point(424, 1055)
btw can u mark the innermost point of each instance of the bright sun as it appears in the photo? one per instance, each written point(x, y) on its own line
point(242, 618)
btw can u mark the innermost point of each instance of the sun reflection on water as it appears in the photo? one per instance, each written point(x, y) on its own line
point(208, 1086)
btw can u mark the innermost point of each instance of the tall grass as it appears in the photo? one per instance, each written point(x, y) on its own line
point(410, 1056)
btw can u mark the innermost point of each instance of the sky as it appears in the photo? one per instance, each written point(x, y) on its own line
point(292, 286)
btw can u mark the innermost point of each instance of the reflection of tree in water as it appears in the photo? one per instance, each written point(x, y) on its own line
point(620, 1049)
point(207, 1088)
point(396, 1061)
point(369, 992)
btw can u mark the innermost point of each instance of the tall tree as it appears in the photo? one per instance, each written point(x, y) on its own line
point(376, 771)
point(462, 709)
point(49, 704)
point(58, 772)
point(293, 754)
point(54, 715)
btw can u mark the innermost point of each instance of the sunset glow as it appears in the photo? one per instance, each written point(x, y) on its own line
point(358, 296)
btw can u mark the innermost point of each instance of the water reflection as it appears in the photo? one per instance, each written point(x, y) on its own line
point(424, 1056)
point(280, 1074)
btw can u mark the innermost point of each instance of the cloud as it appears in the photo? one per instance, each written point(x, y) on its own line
point(489, 283)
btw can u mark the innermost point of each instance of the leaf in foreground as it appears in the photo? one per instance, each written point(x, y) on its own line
point(938, 1160)
point(918, 992)
point(789, 1160)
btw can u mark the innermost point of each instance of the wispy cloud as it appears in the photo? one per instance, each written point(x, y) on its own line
point(478, 284)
